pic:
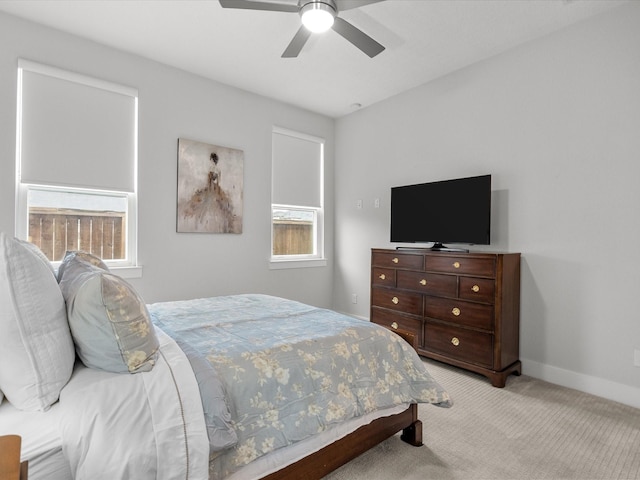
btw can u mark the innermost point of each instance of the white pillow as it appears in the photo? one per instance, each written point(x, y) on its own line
point(36, 349)
point(109, 321)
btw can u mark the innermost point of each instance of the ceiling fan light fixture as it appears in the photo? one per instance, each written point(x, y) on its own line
point(318, 17)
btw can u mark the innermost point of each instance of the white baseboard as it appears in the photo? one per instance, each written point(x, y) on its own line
point(617, 392)
point(600, 387)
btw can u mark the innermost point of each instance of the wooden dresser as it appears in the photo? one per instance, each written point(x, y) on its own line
point(463, 308)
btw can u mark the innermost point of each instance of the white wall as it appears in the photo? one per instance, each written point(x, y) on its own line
point(172, 105)
point(557, 124)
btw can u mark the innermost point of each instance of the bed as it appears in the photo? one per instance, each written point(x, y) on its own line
point(234, 387)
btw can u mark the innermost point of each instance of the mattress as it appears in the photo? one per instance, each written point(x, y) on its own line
point(293, 371)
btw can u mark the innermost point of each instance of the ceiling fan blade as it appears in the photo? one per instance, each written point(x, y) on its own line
point(296, 44)
point(252, 5)
point(349, 4)
point(356, 36)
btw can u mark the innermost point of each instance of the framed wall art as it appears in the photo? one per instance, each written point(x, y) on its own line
point(210, 188)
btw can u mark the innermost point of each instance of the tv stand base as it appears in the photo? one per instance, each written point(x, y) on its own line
point(436, 247)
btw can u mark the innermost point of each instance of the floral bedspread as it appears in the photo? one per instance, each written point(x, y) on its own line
point(291, 370)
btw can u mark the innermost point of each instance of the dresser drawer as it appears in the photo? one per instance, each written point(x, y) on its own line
point(460, 312)
point(477, 289)
point(384, 277)
point(460, 344)
point(396, 321)
point(397, 260)
point(399, 301)
point(429, 283)
point(485, 266)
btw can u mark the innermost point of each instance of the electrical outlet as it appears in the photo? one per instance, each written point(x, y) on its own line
point(354, 298)
point(376, 203)
point(636, 357)
point(359, 204)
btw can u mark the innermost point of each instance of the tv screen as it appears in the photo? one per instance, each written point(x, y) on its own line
point(451, 211)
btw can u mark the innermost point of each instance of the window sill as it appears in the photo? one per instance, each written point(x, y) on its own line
point(124, 272)
point(127, 272)
point(296, 263)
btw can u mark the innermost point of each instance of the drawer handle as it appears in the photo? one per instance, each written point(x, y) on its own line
point(395, 300)
point(456, 311)
point(382, 276)
point(475, 288)
point(456, 264)
point(455, 341)
point(394, 325)
point(395, 260)
point(423, 282)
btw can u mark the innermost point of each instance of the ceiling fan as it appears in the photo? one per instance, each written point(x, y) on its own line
point(317, 16)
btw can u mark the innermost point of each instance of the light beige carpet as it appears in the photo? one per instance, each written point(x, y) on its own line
point(528, 430)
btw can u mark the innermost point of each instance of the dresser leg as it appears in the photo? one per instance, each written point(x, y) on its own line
point(499, 379)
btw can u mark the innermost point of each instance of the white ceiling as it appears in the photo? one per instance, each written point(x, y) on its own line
point(424, 40)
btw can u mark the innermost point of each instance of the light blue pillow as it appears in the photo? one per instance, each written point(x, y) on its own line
point(71, 255)
point(109, 321)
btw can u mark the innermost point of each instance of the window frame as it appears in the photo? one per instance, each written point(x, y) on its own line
point(127, 268)
point(317, 259)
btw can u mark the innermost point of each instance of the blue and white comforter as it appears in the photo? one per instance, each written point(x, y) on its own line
point(291, 370)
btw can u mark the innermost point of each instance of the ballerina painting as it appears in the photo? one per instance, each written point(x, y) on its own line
point(210, 183)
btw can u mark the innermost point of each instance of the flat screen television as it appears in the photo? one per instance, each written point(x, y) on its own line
point(448, 211)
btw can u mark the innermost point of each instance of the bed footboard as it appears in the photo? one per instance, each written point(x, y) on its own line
point(326, 460)
point(331, 457)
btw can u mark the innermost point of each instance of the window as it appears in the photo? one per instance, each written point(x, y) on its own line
point(64, 219)
point(297, 215)
point(77, 165)
point(294, 231)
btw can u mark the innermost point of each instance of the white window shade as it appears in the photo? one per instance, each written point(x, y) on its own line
point(297, 170)
point(76, 130)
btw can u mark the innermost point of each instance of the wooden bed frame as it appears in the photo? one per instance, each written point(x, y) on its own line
point(333, 456)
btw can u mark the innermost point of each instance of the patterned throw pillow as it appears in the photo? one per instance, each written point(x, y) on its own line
point(70, 256)
point(36, 349)
point(109, 321)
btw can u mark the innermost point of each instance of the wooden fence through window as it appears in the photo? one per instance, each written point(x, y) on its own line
point(55, 231)
point(291, 237)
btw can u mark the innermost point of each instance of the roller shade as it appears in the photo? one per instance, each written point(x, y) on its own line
point(297, 170)
point(76, 131)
